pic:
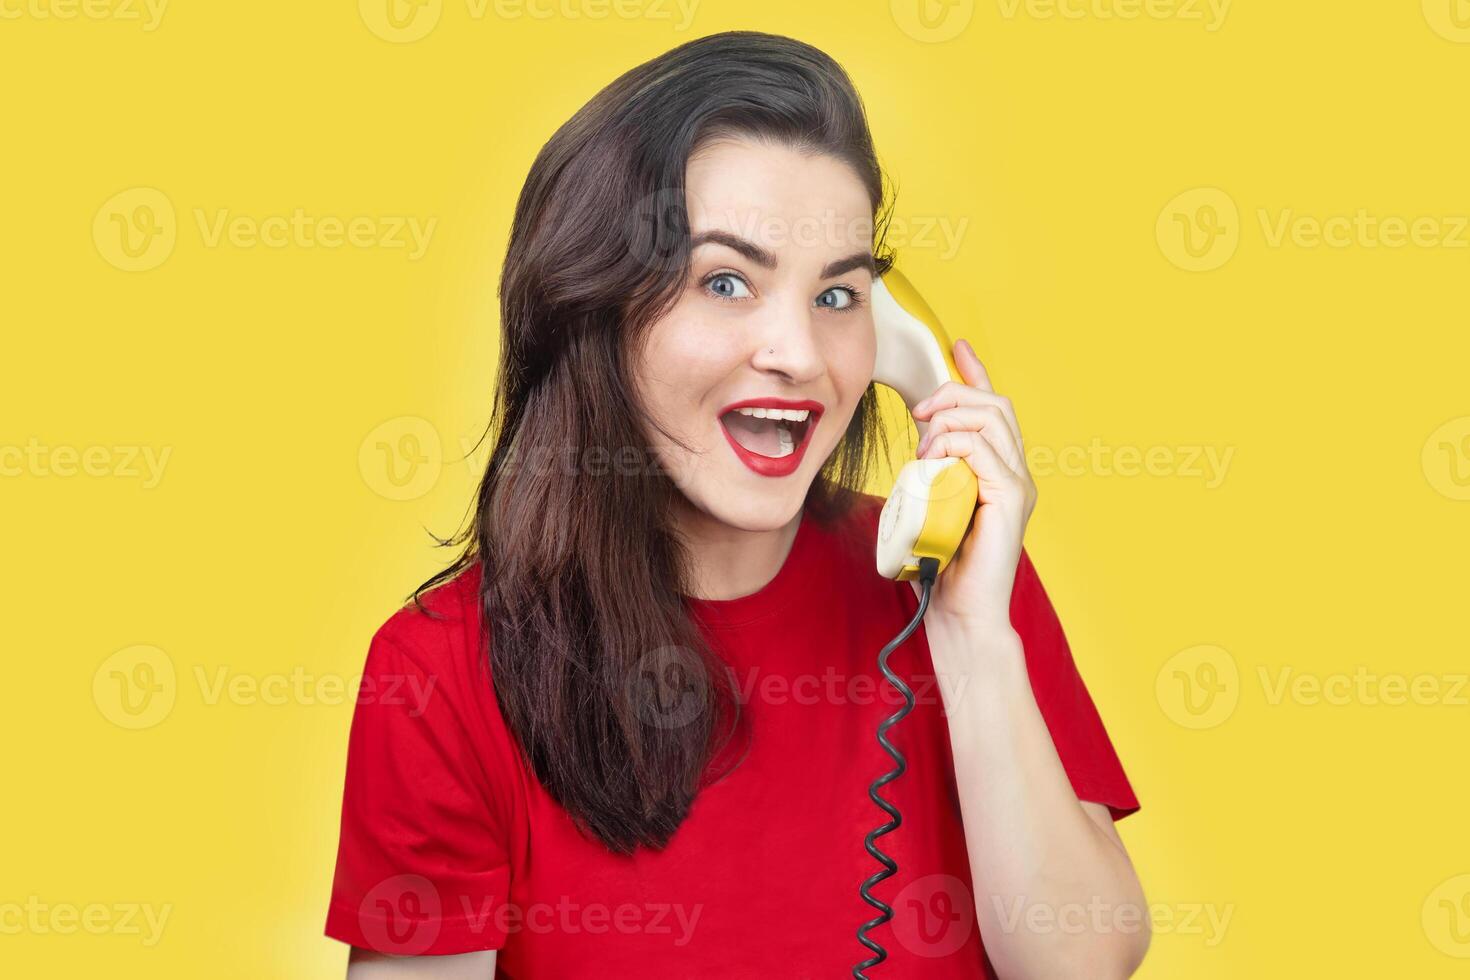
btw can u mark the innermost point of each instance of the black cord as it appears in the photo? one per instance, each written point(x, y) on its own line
point(928, 570)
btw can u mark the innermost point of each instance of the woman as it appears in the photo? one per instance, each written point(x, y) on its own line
point(651, 685)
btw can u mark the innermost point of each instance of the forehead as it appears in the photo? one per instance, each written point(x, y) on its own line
point(778, 197)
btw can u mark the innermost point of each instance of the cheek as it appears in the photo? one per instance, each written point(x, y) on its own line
point(681, 366)
point(850, 364)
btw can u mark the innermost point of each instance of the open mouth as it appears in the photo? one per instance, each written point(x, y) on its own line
point(767, 431)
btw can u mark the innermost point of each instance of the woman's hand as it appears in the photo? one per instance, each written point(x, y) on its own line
point(972, 421)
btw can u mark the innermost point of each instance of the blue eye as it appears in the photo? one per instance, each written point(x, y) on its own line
point(838, 298)
point(727, 285)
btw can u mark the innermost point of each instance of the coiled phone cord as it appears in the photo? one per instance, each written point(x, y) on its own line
point(928, 570)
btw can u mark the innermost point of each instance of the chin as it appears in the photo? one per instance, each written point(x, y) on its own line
point(767, 508)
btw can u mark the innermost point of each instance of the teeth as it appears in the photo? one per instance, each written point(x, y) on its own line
point(788, 414)
point(785, 447)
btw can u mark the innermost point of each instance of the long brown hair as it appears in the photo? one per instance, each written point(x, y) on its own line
point(594, 658)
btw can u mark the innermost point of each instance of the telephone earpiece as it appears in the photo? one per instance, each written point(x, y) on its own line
point(933, 500)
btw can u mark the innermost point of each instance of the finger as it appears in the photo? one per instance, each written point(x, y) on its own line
point(952, 394)
point(982, 457)
point(995, 478)
point(971, 369)
point(988, 420)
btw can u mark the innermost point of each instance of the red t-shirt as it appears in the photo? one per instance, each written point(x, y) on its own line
point(450, 844)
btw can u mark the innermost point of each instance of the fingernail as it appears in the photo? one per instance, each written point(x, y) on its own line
point(968, 347)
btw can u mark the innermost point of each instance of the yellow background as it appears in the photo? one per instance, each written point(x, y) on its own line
point(1074, 152)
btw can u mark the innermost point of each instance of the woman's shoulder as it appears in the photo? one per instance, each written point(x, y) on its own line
point(428, 746)
point(441, 629)
point(428, 668)
point(451, 600)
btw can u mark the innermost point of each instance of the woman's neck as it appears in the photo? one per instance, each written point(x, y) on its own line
point(728, 562)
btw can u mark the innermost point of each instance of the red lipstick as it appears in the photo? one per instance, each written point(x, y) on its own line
point(774, 465)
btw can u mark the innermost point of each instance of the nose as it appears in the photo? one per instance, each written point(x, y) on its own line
point(786, 343)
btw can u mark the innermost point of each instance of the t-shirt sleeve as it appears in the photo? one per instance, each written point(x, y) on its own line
point(1077, 730)
point(422, 865)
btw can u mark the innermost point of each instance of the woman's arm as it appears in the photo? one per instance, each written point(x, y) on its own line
point(364, 964)
point(1056, 894)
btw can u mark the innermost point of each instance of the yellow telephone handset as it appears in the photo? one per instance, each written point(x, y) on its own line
point(933, 500)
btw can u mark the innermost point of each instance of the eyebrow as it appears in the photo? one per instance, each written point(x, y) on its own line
point(767, 260)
